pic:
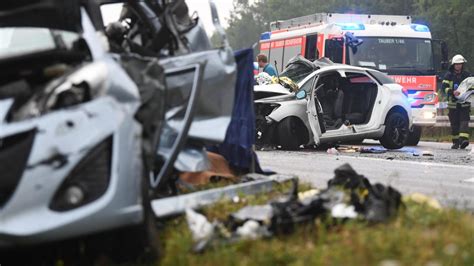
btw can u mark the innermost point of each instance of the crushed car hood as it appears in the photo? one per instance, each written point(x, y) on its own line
point(278, 99)
point(274, 88)
point(53, 14)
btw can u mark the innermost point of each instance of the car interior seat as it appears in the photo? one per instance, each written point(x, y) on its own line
point(359, 101)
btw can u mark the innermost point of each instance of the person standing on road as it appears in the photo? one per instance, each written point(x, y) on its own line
point(267, 68)
point(458, 112)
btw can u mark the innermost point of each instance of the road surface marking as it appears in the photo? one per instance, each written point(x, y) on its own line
point(469, 180)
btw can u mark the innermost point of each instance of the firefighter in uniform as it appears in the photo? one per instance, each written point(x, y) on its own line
point(458, 112)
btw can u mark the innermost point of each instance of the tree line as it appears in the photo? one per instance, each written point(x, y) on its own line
point(447, 20)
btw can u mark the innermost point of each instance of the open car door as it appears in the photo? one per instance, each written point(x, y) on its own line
point(315, 113)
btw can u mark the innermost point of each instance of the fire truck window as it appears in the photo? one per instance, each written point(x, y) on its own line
point(395, 56)
point(311, 52)
point(334, 50)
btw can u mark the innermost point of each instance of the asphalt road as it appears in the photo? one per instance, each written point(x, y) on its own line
point(445, 174)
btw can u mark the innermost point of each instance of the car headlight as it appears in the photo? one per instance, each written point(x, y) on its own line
point(429, 97)
point(67, 95)
point(88, 181)
point(62, 96)
point(66, 91)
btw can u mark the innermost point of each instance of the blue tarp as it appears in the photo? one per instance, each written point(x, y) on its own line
point(240, 136)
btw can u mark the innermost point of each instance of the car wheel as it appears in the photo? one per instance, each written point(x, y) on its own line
point(291, 133)
point(396, 131)
point(414, 136)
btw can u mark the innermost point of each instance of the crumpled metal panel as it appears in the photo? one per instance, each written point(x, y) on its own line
point(191, 159)
point(214, 107)
point(198, 39)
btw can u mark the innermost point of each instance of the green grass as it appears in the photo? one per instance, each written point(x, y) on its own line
point(418, 236)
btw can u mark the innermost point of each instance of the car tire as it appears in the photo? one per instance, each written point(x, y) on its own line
point(414, 136)
point(291, 133)
point(396, 131)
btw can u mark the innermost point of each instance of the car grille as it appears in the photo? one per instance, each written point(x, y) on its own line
point(14, 153)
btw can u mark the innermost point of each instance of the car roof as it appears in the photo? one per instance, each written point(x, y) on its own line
point(335, 67)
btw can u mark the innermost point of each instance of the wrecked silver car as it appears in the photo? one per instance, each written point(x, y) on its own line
point(88, 135)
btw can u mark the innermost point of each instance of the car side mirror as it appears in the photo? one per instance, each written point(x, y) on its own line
point(300, 95)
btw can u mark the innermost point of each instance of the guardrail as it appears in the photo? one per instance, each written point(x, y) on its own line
point(443, 121)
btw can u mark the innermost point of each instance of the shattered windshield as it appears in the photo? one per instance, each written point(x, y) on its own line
point(296, 72)
point(18, 41)
point(389, 54)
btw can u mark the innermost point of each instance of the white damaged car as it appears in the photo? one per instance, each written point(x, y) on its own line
point(335, 103)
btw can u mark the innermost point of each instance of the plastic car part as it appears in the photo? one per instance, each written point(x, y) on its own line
point(15, 150)
point(88, 180)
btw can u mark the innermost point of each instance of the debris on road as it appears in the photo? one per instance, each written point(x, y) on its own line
point(348, 196)
point(372, 150)
point(332, 151)
point(427, 153)
point(348, 149)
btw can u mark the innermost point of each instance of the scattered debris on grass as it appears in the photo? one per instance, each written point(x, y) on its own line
point(417, 235)
point(348, 196)
point(423, 199)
